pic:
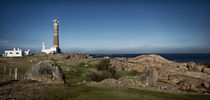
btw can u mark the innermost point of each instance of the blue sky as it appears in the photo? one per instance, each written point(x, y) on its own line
point(108, 26)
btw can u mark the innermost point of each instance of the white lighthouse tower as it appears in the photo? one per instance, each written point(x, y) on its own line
point(43, 47)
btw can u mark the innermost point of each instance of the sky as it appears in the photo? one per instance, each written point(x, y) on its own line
point(107, 26)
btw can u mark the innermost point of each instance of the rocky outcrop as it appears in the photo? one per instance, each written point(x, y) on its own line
point(206, 70)
point(46, 72)
point(199, 68)
point(70, 56)
point(148, 79)
point(191, 66)
point(190, 81)
point(164, 74)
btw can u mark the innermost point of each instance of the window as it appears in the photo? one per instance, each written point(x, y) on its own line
point(17, 52)
point(10, 52)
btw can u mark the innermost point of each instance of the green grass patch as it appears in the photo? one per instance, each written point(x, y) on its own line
point(76, 73)
point(83, 92)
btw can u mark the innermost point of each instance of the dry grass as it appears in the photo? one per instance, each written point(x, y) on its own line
point(22, 63)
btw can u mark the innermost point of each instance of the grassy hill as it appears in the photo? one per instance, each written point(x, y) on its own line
point(76, 87)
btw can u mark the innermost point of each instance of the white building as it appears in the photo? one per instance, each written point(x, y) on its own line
point(47, 51)
point(16, 53)
point(26, 53)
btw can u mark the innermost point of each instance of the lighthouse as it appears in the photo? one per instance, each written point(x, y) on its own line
point(56, 35)
point(55, 48)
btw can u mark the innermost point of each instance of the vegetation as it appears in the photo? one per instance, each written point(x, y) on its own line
point(78, 71)
point(83, 92)
point(103, 71)
point(22, 63)
point(128, 73)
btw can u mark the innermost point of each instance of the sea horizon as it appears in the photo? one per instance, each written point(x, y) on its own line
point(178, 57)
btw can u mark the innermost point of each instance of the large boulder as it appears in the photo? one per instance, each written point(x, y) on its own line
point(46, 72)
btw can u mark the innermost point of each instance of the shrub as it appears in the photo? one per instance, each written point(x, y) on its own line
point(103, 71)
point(104, 75)
point(93, 75)
point(103, 65)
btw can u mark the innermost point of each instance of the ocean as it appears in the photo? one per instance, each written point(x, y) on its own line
point(174, 57)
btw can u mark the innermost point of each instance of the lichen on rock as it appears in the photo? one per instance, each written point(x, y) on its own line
point(46, 72)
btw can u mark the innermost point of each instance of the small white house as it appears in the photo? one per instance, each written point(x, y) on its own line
point(26, 53)
point(16, 53)
point(47, 51)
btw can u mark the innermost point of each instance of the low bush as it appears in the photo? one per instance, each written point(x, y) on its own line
point(93, 75)
point(103, 71)
point(103, 65)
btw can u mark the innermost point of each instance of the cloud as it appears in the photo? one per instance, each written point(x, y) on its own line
point(2, 41)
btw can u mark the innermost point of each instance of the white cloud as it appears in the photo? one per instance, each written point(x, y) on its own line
point(2, 41)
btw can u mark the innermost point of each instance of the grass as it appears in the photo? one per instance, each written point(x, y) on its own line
point(22, 63)
point(75, 72)
point(83, 92)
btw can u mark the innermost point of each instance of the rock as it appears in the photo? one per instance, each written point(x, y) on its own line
point(206, 70)
point(150, 77)
point(74, 56)
point(191, 66)
point(182, 67)
point(106, 57)
point(147, 80)
point(150, 58)
point(205, 85)
point(121, 66)
point(164, 74)
point(46, 72)
point(199, 68)
point(121, 58)
point(190, 81)
point(130, 81)
point(208, 90)
point(143, 63)
point(105, 82)
point(65, 57)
